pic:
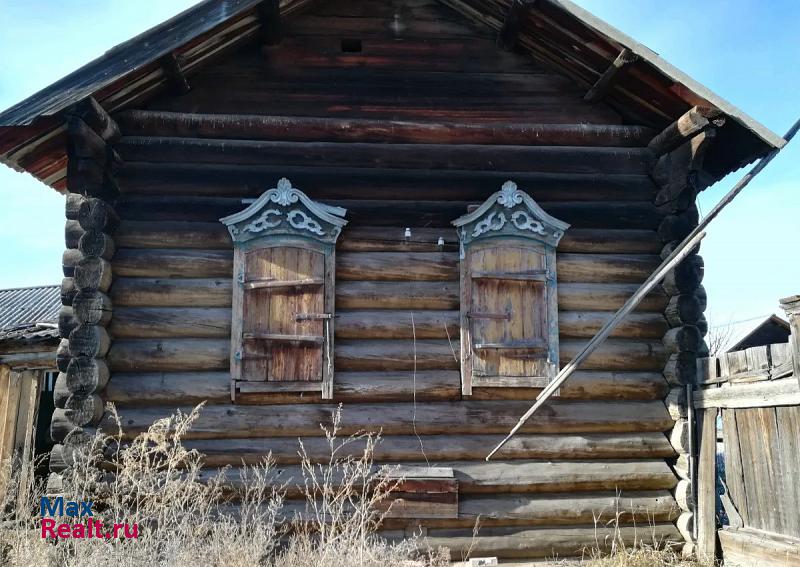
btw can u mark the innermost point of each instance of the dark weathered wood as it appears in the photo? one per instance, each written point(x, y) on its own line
point(86, 375)
point(96, 243)
point(93, 273)
point(230, 421)
point(451, 446)
point(89, 340)
point(90, 111)
point(72, 233)
point(69, 259)
point(60, 390)
point(92, 307)
point(73, 205)
point(66, 321)
point(96, 214)
point(170, 388)
point(269, 13)
point(171, 66)
point(686, 276)
point(706, 515)
point(682, 339)
point(605, 81)
point(62, 355)
point(313, 129)
point(84, 410)
point(677, 227)
point(512, 23)
point(681, 368)
point(378, 183)
point(683, 309)
point(68, 290)
point(357, 154)
point(83, 142)
point(689, 124)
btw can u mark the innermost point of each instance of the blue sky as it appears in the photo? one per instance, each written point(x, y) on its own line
point(744, 50)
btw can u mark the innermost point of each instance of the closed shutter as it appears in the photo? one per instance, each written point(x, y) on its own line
point(282, 315)
point(508, 313)
point(283, 331)
point(509, 308)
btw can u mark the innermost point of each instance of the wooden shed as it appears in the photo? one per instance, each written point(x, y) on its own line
point(459, 193)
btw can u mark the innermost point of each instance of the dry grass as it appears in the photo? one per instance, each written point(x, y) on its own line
point(188, 519)
point(185, 520)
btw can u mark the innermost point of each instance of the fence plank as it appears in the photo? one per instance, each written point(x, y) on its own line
point(706, 516)
point(788, 429)
point(733, 463)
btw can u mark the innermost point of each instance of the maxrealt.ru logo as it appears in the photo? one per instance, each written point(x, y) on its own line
point(78, 521)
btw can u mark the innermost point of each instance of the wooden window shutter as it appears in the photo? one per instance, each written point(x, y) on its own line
point(283, 293)
point(509, 307)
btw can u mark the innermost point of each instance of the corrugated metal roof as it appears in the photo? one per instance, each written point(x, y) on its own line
point(29, 312)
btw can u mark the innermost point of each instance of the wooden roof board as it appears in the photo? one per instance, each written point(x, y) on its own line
point(123, 59)
point(574, 41)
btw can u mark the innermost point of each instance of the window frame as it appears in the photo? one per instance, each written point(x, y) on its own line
point(508, 217)
point(283, 216)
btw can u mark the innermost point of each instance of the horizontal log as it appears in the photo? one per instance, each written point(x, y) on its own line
point(614, 215)
point(60, 391)
point(684, 309)
point(97, 214)
point(684, 496)
point(36, 359)
point(682, 339)
point(512, 478)
point(676, 402)
point(89, 340)
point(686, 276)
point(93, 273)
point(519, 543)
point(325, 183)
point(68, 290)
point(86, 375)
point(97, 243)
point(437, 448)
point(179, 292)
point(200, 354)
point(681, 368)
point(689, 124)
point(92, 307)
point(153, 322)
point(357, 154)
point(381, 266)
point(72, 233)
point(84, 410)
point(310, 129)
point(73, 205)
point(213, 236)
point(232, 421)
point(538, 510)
point(69, 259)
point(62, 355)
point(184, 388)
point(96, 117)
point(83, 142)
point(66, 321)
point(679, 436)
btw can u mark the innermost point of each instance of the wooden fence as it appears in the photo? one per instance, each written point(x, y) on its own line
point(757, 394)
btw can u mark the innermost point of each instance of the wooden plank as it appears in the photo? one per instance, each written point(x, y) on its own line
point(605, 81)
point(783, 392)
point(734, 463)
point(758, 443)
point(756, 548)
point(13, 392)
point(788, 463)
point(706, 514)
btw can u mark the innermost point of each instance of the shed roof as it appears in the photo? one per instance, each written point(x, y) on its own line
point(556, 32)
point(29, 313)
point(743, 338)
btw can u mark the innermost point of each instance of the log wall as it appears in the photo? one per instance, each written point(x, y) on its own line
point(407, 132)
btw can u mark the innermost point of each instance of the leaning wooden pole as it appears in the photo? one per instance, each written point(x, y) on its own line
point(680, 252)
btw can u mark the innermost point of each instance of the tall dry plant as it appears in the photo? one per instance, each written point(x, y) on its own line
point(187, 519)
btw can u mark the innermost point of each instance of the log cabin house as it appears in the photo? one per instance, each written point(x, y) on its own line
point(414, 208)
